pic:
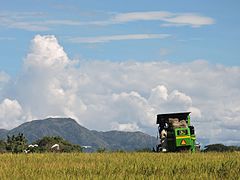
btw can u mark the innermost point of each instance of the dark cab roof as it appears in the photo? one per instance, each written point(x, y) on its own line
point(163, 118)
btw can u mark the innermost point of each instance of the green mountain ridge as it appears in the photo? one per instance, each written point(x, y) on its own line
point(71, 131)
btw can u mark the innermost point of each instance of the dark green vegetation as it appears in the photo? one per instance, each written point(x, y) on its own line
point(46, 143)
point(3, 146)
point(121, 166)
point(71, 131)
point(18, 144)
point(220, 148)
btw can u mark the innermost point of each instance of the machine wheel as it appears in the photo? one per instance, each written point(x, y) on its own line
point(183, 149)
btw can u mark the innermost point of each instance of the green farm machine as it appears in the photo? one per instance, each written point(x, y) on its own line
point(176, 133)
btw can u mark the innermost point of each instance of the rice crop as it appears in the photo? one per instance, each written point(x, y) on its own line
point(120, 166)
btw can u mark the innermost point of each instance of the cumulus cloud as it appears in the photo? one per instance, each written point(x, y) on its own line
point(48, 84)
point(134, 107)
point(46, 53)
point(10, 112)
point(107, 95)
point(176, 101)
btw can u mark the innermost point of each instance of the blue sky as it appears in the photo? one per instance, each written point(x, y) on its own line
point(119, 63)
point(216, 42)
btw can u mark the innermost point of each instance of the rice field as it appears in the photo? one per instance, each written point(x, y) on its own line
point(120, 166)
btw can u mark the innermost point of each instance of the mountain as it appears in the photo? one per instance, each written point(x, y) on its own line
point(67, 128)
point(3, 132)
point(127, 140)
point(71, 131)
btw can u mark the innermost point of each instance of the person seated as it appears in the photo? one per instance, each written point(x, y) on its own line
point(163, 137)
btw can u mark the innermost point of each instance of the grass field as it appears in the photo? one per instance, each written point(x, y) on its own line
point(120, 166)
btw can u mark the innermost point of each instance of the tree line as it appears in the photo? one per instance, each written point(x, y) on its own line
point(220, 148)
point(19, 144)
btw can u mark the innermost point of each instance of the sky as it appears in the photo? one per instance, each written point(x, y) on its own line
point(116, 65)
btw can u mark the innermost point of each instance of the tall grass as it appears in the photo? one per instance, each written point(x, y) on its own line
point(120, 166)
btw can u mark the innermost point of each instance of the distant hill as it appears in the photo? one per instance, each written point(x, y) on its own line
point(127, 140)
point(3, 132)
point(71, 131)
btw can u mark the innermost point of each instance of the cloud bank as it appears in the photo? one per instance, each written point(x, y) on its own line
point(107, 95)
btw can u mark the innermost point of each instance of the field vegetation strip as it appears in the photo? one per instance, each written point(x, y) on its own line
point(120, 166)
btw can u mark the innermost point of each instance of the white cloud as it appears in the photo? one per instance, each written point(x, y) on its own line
point(141, 16)
point(48, 85)
point(158, 94)
point(175, 101)
point(133, 107)
point(103, 39)
point(34, 21)
point(46, 53)
point(195, 112)
point(10, 113)
point(188, 20)
point(39, 21)
point(169, 19)
point(130, 127)
point(22, 20)
point(107, 95)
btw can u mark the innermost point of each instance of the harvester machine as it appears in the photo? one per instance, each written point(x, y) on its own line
point(175, 132)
